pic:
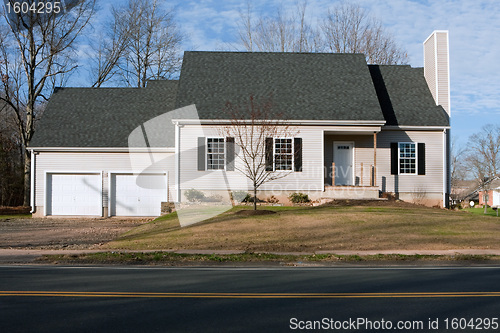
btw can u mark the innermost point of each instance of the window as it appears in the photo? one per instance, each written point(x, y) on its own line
point(407, 158)
point(283, 154)
point(215, 153)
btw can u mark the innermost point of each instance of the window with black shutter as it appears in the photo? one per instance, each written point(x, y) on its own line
point(407, 158)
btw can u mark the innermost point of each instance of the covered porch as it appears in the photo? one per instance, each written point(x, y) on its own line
point(350, 163)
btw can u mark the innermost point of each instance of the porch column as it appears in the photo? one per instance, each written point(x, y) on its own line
point(374, 159)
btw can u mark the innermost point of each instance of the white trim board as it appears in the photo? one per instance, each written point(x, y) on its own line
point(103, 149)
point(285, 122)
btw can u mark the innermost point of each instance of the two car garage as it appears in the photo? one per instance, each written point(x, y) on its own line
point(85, 194)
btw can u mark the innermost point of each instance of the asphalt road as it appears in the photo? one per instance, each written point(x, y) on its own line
point(134, 299)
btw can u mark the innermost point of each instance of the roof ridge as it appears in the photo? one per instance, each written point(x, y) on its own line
point(279, 52)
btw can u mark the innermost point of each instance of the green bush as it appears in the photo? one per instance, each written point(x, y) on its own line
point(299, 198)
point(194, 195)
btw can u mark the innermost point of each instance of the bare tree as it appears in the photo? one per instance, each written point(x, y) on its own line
point(348, 28)
point(283, 32)
point(483, 156)
point(253, 126)
point(111, 48)
point(36, 48)
point(11, 180)
point(457, 172)
point(142, 43)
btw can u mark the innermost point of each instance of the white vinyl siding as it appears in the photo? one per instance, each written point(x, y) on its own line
point(311, 177)
point(431, 182)
point(443, 71)
point(436, 68)
point(430, 64)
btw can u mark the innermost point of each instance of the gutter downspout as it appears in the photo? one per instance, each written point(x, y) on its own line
point(178, 161)
point(445, 174)
point(32, 180)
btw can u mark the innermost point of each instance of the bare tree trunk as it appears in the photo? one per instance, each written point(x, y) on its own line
point(485, 198)
point(252, 125)
point(152, 44)
point(43, 47)
point(27, 178)
point(254, 197)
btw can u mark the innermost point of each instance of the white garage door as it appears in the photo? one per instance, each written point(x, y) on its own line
point(74, 194)
point(137, 196)
point(496, 197)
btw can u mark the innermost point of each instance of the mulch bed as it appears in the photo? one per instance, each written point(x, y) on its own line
point(251, 212)
point(14, 210)
point(375, 203)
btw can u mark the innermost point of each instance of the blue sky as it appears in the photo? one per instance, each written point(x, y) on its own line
point(474, 36)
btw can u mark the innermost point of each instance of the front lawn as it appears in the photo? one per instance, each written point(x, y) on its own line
point(480, 211)
point(298, 229)
point(16, 216)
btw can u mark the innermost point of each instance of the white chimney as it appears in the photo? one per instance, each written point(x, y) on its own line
point(437, 67)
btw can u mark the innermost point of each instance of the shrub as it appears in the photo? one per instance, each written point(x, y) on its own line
point(213, 198)
point(194, 195)
point(272, 200)
point(299, 198)
point(239, 196)
point(249, 198)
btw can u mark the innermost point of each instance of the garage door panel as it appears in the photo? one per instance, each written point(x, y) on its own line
point(74, 194)
point(133, 196)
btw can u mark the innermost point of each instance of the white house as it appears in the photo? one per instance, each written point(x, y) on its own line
point(378, 128)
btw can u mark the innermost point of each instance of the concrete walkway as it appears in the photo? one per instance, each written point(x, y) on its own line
point(27, 256)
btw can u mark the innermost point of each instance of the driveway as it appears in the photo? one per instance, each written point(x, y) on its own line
point(62, 233)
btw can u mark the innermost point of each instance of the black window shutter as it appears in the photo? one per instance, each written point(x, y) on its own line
point(297, 142)
point(201, 153)
point(421, 158)
point(269, 154)
point(394, 158)
point(229, 154)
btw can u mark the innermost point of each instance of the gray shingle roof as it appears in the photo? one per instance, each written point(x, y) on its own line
point(405, 97)
point(304, 86)
point(312, 86)
point(103, 117)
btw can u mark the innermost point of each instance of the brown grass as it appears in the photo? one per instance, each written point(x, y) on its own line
point(387, 226)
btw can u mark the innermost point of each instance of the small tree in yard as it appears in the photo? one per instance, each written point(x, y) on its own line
point(253, 127)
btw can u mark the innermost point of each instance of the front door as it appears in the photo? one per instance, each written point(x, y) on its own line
point(343, 159)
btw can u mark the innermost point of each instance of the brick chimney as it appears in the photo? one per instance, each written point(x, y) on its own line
point(437, 67)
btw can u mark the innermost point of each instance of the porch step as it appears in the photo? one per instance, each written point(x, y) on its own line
point(351, 192)
point(326, 200)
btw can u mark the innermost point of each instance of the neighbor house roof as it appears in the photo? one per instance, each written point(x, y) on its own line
point(103, 117)
point(302, 86)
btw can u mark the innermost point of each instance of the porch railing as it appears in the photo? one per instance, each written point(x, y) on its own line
point(373, 175)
